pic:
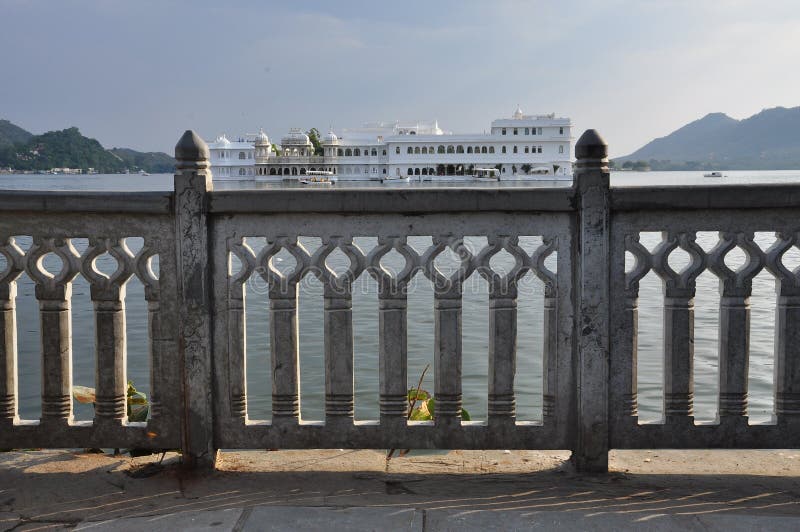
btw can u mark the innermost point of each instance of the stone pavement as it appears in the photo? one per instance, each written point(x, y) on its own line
point(357, 490)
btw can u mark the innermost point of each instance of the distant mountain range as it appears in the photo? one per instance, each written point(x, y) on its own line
point(769, 140)
point(21, 150)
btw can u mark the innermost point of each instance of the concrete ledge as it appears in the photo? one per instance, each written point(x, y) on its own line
point(85, 202)
point(768, 196)
point(410, 201)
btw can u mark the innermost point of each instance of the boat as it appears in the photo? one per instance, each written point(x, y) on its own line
point(713, 174)
point(398, 179)
point(486, 174)
point(318, 177)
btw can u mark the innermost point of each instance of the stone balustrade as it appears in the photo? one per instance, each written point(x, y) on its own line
point(197, 300)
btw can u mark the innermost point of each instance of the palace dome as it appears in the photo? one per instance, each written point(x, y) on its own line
point(222, 140)
point(331, 138)
point(518, 113)
point(295, 137)
point(262, 138)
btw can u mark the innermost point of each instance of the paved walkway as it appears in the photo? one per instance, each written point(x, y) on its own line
point(355, 490)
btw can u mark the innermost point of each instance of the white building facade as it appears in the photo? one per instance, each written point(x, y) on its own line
point(232, 160)
point(534, 147)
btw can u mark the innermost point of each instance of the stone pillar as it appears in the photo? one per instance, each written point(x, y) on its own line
point(591, 272)
point(192, 183)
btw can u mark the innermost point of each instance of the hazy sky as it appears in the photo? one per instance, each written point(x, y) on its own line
point(136, 73)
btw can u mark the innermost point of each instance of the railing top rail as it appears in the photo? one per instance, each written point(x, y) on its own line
point(693, 197)
point(155, 202)
point(372, 200)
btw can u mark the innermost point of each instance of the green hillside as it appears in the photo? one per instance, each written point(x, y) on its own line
point(21, 151)
point(11, 134)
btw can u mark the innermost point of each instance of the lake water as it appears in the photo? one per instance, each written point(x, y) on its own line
point(420, 319)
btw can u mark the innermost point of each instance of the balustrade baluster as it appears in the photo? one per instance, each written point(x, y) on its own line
point(502, 355)
point(8, 354)
point(338, 354)
point(284, 351)
point(393, 356)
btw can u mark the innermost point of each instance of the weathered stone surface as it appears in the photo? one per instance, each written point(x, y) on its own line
point(289, 518)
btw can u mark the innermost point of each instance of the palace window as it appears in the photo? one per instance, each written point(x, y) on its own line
point(384, 171)
point(561, 149)
point(416, 150)
point(384, 151)
point(410, 171)
point(526, 149)
point(416, 171)
point(469, 149)
point(503, 131)
point(357, 152)
point(348, 152)
point(491, 149)
point(515, 149)
point(242, 171)
point(515, 131)
point(397, 150)
point(424, 150)
point(527, 131)
point(410, 150)
point(450, 149)
point(339, 152)
point(375, 152)
point(440, 149)
point(561, 131)
point(477, 149)
point(503, 149)
point(459, 149)
point(539, 131)
point(540, 149)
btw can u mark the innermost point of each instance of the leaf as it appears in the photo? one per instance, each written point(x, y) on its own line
point(419, 395)
point(465, 415)
point(84, 394)
point(418, 415)
point(430, 405)
point(138, 412)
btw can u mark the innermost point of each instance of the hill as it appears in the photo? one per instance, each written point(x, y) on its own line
point(155, 162)
point(767, 140)
point(11, 134)
point(69, 149)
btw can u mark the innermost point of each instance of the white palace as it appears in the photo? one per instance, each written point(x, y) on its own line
point(533, 147)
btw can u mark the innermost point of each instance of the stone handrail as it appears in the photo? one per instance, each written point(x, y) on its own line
point(197, 301)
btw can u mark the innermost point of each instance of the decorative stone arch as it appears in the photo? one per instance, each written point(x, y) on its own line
point(491, 149)
point(339, 152)
point(356, 152)
point(272, 171)
point(424, 171)
point(459, 149)
point(440, 149)
point(294, 170)
point(440, 170)
point(424, 150)
point(469, 149)
point(409, 150)
point(410, 171)
point(302, 171)
point(451, 149)
point(416, 171)
point(348, 152)
point(285, 171)
point(417, 151)
point(451, 169)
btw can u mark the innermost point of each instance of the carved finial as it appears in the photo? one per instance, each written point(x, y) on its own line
point(191, 148)
point(591, 146)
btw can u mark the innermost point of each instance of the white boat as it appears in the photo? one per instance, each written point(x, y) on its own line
point(398, 179)
point(713, 174)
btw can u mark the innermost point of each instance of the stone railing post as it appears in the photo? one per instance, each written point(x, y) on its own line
point(591, 273)
point(192, 183)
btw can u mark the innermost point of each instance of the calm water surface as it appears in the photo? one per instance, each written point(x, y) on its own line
point(420, 318)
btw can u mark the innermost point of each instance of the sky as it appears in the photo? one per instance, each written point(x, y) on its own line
point(138, 73)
